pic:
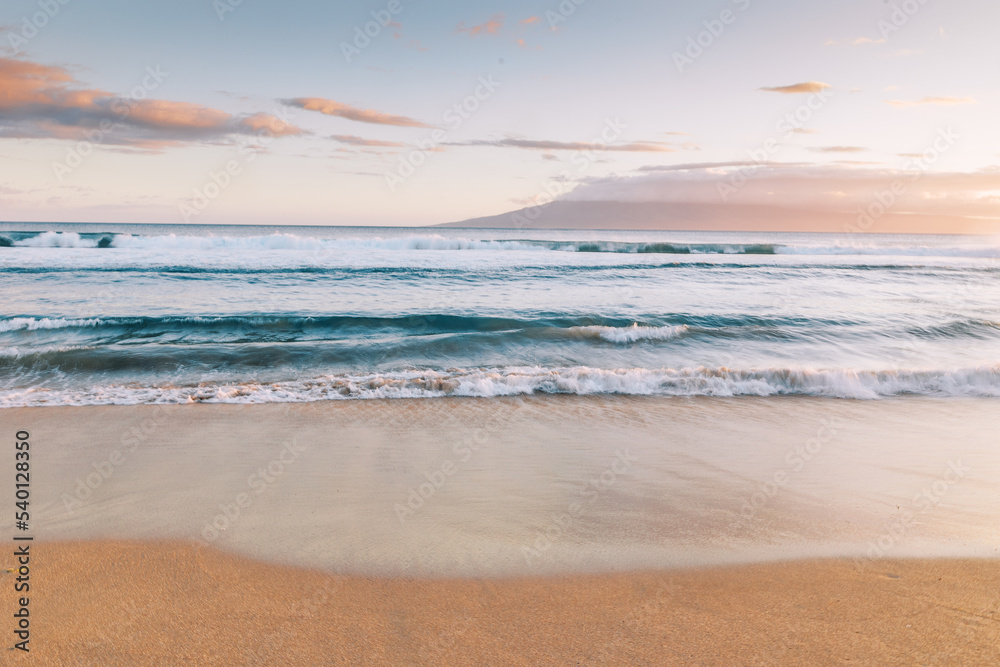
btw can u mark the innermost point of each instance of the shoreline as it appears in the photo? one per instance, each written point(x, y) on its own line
point(114, 603)
point(523, 486)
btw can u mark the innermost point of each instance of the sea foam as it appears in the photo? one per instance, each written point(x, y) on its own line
point(515, 381)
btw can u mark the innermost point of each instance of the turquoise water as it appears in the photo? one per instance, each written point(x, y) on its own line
point(108, 314)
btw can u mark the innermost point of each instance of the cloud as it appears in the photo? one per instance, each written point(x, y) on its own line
point(40, 101)
point(332, 108)
point(258, 122)
point(530, 20)
point(353, 140)
point(807, 87)
point(46, 102)
point(943, 101)
point(808, 186)
point(491, 27)
point(708, 166)
point(837, 149)
point(532, 144)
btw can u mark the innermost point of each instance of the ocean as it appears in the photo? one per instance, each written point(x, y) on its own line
point(103, 314)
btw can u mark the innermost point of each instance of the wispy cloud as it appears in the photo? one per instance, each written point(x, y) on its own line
point(942, 101)
point(806, 87)
point(353, 140)
point(490, 27)
point(837, 149)
point(543, 145)
point(837, 187)
point(710, 167)
point(530, 20)
point(341, 110)
point(46, 101)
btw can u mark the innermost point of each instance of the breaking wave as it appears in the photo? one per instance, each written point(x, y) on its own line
point(437, 242)
point(520, 381)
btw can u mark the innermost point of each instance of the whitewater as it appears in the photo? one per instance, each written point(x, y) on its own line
point(111, 314)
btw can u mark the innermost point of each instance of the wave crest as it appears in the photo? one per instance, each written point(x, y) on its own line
point(34, 324)
point(631, 334)
point(721, 382)
point(439, 242)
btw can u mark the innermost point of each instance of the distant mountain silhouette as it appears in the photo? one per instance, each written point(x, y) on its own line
point(719, 217)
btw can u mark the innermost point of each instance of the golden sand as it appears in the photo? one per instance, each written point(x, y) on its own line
point(172, 603)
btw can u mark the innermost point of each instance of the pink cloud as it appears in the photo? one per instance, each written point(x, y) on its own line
point(45, 101)
point(490, 27)
point(341, 110)
point(806, 87)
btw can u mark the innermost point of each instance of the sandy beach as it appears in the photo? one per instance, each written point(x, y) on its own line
point(524, 487)
point(126, 603)
point(565, 333)
point(544, 530)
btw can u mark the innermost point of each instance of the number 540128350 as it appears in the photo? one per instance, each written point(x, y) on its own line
point(22, 468)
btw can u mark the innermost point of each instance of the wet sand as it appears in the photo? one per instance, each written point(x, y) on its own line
point(546, 530)
point(125, 603)
point(522, 487)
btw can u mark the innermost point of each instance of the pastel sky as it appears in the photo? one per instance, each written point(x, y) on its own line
point(257, 111)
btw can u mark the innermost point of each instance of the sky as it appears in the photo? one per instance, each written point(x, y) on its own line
point(406, 112)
